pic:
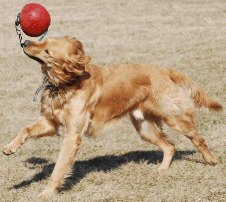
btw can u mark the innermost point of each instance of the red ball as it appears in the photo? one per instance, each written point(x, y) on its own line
point(34, 19)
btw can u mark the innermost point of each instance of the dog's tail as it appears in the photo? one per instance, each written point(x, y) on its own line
point(200, 97)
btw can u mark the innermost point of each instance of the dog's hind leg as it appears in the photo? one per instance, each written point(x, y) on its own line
point(150, 130)
point(41, 127)
point(185, 124)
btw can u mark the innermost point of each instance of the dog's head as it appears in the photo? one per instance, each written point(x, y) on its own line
point(62, 59)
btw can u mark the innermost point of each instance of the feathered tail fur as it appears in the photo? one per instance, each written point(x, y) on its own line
point(200, 97)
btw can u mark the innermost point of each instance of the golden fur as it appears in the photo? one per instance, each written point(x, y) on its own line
point(90, 96)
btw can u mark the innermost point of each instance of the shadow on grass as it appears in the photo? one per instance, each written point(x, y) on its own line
point(101, 163)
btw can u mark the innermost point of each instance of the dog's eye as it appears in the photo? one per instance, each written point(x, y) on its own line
point(47, 51)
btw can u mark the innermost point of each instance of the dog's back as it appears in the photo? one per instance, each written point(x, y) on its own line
point(160, 90)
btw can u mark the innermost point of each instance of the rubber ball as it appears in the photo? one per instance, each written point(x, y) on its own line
point(34, 19)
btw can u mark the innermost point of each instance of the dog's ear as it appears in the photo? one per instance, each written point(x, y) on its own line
point(78, 61)
point(74, 41)
point(77, 43)
point(87, 59)
point(66, 74)
point(78, 58)
point(70, 70)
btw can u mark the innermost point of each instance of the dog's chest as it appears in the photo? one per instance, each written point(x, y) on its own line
point(54, 108)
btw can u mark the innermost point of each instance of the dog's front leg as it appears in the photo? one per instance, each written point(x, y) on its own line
point(41, 127)
point(75, 122)
point(62, 169)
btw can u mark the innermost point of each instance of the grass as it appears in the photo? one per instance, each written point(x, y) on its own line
point(118, 166)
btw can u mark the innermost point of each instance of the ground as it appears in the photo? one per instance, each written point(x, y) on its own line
point(118, 166)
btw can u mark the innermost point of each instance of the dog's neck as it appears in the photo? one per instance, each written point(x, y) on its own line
point(47, 83)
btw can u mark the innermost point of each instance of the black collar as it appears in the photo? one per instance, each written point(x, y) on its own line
point(47, 84)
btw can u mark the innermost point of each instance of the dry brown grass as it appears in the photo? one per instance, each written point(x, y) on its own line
point(186, 35)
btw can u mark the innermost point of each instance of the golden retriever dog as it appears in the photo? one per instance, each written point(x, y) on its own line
point(83, 98)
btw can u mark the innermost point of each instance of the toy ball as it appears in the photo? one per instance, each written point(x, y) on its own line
point(34, 19)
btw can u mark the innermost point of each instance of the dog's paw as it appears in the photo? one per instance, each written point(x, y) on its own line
point(9, 149)
point(46, 193)
point(211, 160)
point(162, 169)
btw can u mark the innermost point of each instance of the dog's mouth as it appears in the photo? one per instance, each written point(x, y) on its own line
point(34, 58)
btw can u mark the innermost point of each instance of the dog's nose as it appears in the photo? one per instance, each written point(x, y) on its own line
point(26, 43)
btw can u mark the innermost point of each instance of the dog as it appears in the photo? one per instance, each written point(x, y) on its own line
point(83, 98)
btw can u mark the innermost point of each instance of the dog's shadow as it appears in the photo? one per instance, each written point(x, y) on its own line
point(101, 163)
